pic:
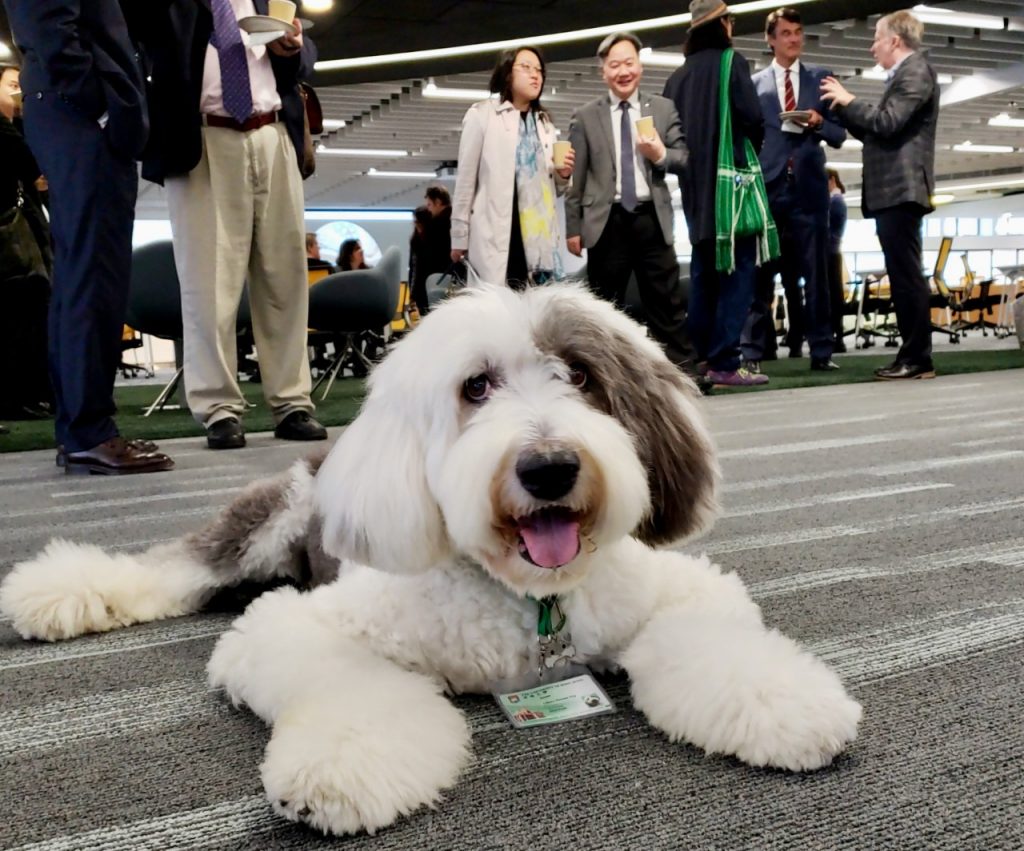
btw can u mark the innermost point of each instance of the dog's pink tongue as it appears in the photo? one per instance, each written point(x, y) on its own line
point(551, 539)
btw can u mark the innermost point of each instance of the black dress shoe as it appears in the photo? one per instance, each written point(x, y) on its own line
point(225, 434)
point(299, 425)
point(901, 371)
point(796, 353)
point(823, 364)
point(116, 457)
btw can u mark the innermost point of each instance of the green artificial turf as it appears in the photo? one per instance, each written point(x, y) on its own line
point(787, 373)
point(343, 402)
point(339, 408)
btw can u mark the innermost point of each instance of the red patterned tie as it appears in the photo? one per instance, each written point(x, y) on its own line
point(790, 99)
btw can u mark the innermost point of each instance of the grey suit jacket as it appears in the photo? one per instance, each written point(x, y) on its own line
point(899, 138)
point(589, 199)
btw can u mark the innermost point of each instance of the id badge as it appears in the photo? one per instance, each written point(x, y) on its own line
point(576, 696)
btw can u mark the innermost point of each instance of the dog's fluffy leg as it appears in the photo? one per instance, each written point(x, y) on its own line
point(357, 741)
point(709, 673)
point(70, 589)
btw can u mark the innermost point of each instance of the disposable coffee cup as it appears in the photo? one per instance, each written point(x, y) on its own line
point(16, 97)
point(645, 127)
point(561, 149)
point(283, 10)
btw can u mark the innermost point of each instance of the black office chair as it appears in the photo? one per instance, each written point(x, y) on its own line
point(154, 305)
point(356, 308)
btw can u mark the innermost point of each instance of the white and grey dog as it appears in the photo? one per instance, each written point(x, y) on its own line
point(516, 446)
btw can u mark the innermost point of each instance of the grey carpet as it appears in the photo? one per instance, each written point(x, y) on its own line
point(879, 524)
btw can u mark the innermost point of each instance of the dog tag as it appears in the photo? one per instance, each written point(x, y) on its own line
point(556, 650)
point(576, 697)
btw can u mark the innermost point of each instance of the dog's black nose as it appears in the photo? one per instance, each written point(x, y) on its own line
point(548, 475)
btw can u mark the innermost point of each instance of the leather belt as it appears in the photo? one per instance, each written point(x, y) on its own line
point(253, 122)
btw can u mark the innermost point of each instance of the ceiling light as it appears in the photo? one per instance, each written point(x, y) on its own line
point(968, 187)
point(361, 152)
point(317, 5)
point(661, 58)
point(1004, 120)
point(967, 147)
point(942, 198)
point(357, 215)
point(491, 47)
point(879, 73)
point(956, 18)
point(333, 123)
point(845, 166)
point(432, 90)
point(414, 174)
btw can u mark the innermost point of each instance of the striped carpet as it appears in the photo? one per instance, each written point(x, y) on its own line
point(879, 524)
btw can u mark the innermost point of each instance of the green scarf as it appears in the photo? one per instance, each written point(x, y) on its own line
point(741, 202)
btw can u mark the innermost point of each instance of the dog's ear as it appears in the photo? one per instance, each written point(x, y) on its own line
point(372, 494)
point(634, 382)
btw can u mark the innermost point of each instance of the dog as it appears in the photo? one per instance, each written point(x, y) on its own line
point(513, 448)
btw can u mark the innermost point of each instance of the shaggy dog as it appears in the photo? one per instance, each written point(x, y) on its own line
point(516, 447)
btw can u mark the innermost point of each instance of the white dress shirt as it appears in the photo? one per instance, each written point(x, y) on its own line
point(261, 75)
point(780, 87)
point(643, 191)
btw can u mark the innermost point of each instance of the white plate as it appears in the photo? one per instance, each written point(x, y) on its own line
point(795, 115)
point(266, 24)
point(256, 39)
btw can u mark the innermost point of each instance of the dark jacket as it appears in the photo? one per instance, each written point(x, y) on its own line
point(435, 255)
point(694, 90)
point(836, 222)
point(175, 38)
point(804, 149)
point(82, 52)
point(899, 138)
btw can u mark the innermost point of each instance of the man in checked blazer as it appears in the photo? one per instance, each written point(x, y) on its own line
point(899, 177)
point(618, 206)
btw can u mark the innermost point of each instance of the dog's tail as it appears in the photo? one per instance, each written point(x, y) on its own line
point(264, 535)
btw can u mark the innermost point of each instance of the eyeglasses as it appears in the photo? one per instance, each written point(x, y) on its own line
point(529, 69)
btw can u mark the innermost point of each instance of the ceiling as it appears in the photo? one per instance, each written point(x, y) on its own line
point(384, 106)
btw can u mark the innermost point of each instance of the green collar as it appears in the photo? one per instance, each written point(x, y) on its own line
point(550, 617)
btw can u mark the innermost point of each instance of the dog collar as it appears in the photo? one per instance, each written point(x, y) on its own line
point(548, 610)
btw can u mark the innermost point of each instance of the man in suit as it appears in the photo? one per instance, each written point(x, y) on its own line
point(618, 206)
point(85, 121)
point(899, 177)
point(793, 164)
point(226, 144)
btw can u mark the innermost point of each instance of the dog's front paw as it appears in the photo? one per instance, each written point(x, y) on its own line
point(353, 765)
point(740, 690)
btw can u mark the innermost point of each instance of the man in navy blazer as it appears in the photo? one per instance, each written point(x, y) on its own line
point(793, 164)
point(85, 120)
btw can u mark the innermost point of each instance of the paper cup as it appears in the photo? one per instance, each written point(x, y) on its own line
point(561, 149)
point(645, 127)
point(17, 98)
point(283, 10)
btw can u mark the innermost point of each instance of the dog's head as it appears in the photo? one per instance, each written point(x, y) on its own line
point(523, 431)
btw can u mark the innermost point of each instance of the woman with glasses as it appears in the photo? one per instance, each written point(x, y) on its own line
point(504, 220)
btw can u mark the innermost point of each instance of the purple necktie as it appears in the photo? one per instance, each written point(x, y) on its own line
point(234, 69)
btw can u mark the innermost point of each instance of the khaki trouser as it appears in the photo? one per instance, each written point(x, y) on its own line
point(239, 214)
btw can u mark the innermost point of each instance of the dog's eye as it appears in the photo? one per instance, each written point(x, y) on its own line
point(477, 388)
point(578, 374)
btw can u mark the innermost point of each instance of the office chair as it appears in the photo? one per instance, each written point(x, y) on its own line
point(356, 307)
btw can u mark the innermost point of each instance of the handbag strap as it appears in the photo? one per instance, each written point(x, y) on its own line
point(725, 155)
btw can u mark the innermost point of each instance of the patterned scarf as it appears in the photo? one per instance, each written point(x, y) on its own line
point(537, 217)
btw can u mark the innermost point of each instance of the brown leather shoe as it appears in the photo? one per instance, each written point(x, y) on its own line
point(117, 457)
point(139, 443)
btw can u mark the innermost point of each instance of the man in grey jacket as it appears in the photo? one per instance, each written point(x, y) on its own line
point(899, 177)
point(619, 207)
